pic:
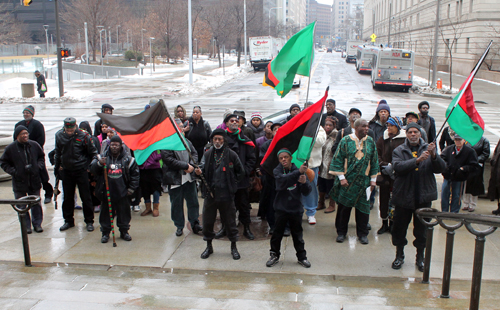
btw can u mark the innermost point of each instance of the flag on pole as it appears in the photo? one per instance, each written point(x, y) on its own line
point(294, 58)
point(297, 135)
point(462, 115)
point(146, 132)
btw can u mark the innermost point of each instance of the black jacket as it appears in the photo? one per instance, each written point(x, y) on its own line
point(459, 166)
point(475, 183)
point(39, 81)
point(345, 132)
point(445, 139)
point(35, 129)
point(378, 129)
point(174, 164)
point(73, 152)
point(246, 153)
point(431, 135)
point(342, 123)
point(14, 161)
point(224, 178)
point(289, 190)
point(414, 180)
point(128, 169)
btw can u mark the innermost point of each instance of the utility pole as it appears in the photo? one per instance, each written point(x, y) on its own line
point(59, 57)
point(190, 40)
point(390, 17)
point(117, 37)
point(245, 27)
point(46, 27)
point(86, 44)
point(435, 51)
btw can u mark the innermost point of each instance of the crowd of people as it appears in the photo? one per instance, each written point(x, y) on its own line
point(352, 158)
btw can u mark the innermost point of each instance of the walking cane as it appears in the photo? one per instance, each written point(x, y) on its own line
point(109, 204)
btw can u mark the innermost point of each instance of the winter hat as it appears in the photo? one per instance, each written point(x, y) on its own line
point(153, 101)
point(457, 137)
point(69, 122)
point(30, 109)
point(256, 115)
point(219, 132)
point(422, 104)
point(284, 150)
point(413, 114)
point(294, 106)
point(18, 130)
point(240, 114)
point(355, 110)
point(382, 105)
point(228, 117)
point(395, 121)
point(276, 124)
point(116, 138)
point(226, 113)
point(412, 125)
point(106, 106)
point(331, 100)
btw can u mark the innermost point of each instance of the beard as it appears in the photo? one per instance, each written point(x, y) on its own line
point(218, 146)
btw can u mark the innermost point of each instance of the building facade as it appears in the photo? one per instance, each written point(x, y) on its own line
point(340, 19)
point(322, 14)
point(465, 29)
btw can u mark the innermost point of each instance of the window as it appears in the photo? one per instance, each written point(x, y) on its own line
point(471, 4)
point(418, 18)
point(448, 13)
point(456, 9)
point(467, 42)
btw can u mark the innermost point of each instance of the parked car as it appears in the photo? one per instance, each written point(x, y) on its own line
point(329, 50)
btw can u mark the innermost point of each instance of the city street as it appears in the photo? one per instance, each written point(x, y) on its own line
point(158, 270)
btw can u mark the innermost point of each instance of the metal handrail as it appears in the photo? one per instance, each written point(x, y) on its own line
point(22, 206)
point(426, 214)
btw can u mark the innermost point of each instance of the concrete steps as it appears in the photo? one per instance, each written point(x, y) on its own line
point(104, 287)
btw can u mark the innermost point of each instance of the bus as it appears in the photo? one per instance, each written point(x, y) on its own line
point(392, 68)
point(364, 58)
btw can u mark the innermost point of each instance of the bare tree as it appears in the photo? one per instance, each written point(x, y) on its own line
point(492, 61)
point(218, 18)
point(236, 10)
point(450, 34)
point(11, 29)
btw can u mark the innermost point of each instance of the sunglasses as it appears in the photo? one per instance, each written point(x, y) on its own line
point(233, 120)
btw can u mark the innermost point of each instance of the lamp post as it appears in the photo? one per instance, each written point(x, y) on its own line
point(390, 18)
point(270, 17)
point(86, 44)
point(142, 40)
point(59, 57)
point(117, 37)
point(245, 27)
point(46, 27)
point(100, 41)
point(190, 42)
point(150, 54)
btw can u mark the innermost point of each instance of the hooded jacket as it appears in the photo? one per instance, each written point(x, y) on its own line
point(257, 131)
point(174, 164)
point(242, 146)
point(289, 190)
point(73, 152)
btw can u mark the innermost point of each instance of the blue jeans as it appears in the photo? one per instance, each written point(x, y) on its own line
point(156, 198)
point(310, 201)
point(456, 190)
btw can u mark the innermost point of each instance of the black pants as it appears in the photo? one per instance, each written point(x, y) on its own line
point(343, 216)
point(267, 195)
point(228, 217)
point(70, 180)
point(47, 187)
point(242, 204)
point(295, 222)
point(121, 212)
point(36, 210)
point(384, 197)
point(402, 219)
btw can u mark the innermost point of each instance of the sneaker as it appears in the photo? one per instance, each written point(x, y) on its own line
point(305, 263)
point(137, 208)
point(47, 200)
point(472, 209)
point(465, 208)
point(273, 260)
point(340, 238)
point(311, 220)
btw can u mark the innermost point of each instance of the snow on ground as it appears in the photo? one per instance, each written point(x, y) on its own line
point(423, 85)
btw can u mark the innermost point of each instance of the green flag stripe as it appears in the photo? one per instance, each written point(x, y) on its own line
point(463, 125)
point(305, 147)
point(172, 143)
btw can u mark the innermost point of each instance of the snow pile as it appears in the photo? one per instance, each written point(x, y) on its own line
point(422, 85)
point(10, 91)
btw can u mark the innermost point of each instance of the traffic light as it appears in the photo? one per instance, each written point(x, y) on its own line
point(27, 2)
point(65, 52)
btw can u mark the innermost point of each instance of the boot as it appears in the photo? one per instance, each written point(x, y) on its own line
point(321, 201)
point(400, 258)
point(247, 233)
point(209, 250)
point(148, 210)
point(156, 209)
point(497, 211)
point(384, 228)
point(420, 259)
point(234, 251)
point(221, 233)
point(331, 206)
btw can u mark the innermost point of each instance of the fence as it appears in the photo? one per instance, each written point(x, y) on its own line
point(101, 70)
point(21, 65)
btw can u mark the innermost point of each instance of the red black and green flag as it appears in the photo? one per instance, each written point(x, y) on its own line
point(146, 132)
point(297, 135)
point(461, 114)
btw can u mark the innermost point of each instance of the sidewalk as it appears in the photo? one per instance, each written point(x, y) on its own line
point(154, 244)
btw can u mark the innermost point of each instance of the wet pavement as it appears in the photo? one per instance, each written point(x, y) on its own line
point(157, 270)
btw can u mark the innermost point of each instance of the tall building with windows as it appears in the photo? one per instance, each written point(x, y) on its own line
point(465, 28)
point(322, 14)
point(341, 10)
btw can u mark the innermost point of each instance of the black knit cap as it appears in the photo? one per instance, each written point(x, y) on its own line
point(294, 106)
point(69, 122)
point(219, 132)
point(18, 130)
point(413, 125)
point(227, 118)
point(355, 110)
point(116, 138)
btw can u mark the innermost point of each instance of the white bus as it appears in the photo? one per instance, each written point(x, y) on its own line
point(364, 58)
point(392, 68)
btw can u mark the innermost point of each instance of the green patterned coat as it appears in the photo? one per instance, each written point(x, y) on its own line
point(357, 160)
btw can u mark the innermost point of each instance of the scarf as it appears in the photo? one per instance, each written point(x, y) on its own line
point(237, 133)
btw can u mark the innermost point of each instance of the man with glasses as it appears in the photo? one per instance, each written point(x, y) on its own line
point(294, 110)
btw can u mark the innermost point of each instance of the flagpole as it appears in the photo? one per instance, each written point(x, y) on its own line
point(467, 82)
point(188, 149)
point(310, 66)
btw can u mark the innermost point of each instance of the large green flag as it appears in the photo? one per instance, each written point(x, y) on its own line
point(294, 58)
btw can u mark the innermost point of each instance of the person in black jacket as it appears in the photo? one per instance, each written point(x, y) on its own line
point(222, 170)
point(245, 130)
point(426, 121)
point(461, 163)
point(353, 115)
point(415, 163)
point(41, 84)
point(23, 159)
point(446, 139)
point(179, 177)
point(290, 185)
point(123, 180)
point(105, 108)
point(474, 185)
point(85, 126)
point(198, 131)
point(37, 134)
point(330, 111)
point(378, 123)
point(74, 149)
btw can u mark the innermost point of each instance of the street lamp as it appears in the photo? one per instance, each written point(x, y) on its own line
point(270, 17)
point(46, 27)
point(150, 54)
point(117, 37)
point(142, 39)
point(100, 40)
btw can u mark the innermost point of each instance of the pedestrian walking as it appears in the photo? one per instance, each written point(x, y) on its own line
point(23, 159)
point(461, 162)
point(123, 180)
point(291, 184)
point(74, 149)
point(355, 164)
point(325, 180)
point(474, 186)
point(414, 162)
point(41, 84)
point(36, 132)
point(180, 178)
point(198, 131)
point(222, 169)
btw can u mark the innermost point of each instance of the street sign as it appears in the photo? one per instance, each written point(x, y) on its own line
point(373, 37)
